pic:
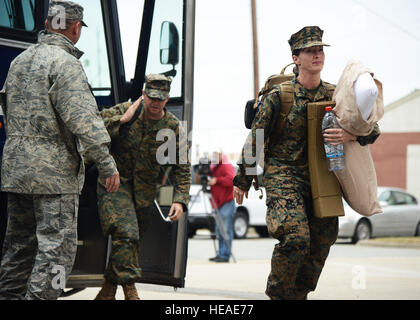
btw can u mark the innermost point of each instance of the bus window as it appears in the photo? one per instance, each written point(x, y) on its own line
point(166, 11)
point(17, 14)
point(93, 44)
point(130, 19)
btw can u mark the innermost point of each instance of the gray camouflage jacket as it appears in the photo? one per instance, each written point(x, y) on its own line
point(52, 121)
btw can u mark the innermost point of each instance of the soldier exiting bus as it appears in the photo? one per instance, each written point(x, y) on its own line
point(51, 118)
point(125, 215)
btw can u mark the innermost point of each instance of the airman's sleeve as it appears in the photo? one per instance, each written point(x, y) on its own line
point(371, 138)
point(254, 144)
point(112, 118)
point(3, 100)
point(76, 106)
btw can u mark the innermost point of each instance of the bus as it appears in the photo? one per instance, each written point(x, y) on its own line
point(125, 40)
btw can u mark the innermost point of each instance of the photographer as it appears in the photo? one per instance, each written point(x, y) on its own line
point(221, 185)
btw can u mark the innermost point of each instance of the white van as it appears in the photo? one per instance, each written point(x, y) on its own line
point(250, 214)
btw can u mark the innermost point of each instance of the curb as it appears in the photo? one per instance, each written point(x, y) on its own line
point(388, 244)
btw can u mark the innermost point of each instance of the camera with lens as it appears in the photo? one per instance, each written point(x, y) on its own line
point(203, 170)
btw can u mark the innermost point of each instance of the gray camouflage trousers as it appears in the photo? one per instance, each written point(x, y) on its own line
point(39, 247)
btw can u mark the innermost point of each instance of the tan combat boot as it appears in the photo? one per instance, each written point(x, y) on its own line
point(130, 292)
point(107, 292)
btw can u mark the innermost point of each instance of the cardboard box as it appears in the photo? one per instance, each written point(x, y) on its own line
point(326, 191)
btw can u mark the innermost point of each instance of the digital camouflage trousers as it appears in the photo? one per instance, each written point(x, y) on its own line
point(126, 224)
point(40, 246)
point(303, 247)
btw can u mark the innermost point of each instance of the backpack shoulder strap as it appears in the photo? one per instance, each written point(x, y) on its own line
point(286, 96)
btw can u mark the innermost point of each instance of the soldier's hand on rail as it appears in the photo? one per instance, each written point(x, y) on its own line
point(239, 195)
point(113, 183)
point(128, 115)
point(338, 136)
point(176, 211)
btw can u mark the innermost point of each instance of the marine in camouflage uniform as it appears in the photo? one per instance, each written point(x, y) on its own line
point(125, 215)
point(304, 240)
point(52, 120)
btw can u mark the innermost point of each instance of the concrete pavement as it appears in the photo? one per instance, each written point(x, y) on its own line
point(411, 243)
point(205, 281)
point(375, 273)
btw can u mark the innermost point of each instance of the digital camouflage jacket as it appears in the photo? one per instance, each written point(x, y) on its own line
point(52, 121)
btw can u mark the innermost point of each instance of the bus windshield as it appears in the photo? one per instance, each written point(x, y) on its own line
point(130, 18)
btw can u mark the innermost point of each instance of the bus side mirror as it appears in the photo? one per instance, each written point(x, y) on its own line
point(169, 44)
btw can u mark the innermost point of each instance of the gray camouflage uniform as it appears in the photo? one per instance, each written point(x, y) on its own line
point(52, 122)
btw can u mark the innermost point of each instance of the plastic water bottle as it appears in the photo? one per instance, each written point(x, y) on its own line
point(335, 154)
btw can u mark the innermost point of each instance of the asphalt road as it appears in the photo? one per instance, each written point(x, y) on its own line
point(351, 272)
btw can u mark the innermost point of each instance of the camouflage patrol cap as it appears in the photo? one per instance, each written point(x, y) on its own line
point(67, 10)
point(306, 38)
point(157, 86)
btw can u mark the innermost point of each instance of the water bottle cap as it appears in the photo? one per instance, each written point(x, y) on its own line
point(328, 109)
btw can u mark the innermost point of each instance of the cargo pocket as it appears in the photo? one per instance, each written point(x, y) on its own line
point(69, 205)
point(286, 217)
point(274, 219)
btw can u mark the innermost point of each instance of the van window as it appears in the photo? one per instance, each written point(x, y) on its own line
point(17, 14)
